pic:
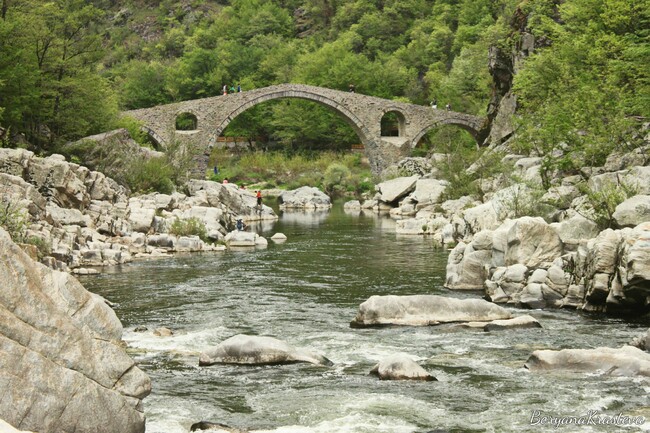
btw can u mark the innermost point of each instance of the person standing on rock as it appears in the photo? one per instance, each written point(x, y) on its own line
point(434, 104)
point(224, 89)
point(259, 198)
point(238, 88)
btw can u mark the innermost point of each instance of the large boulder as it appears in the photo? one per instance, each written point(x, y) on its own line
point(425, 310)
point(466, 265)
point(63, 368)
point(393, 190)
point(239, 238)
point(251, 349)
point(633, 211)
point(625, 361)
point(532, 242)
point(427, 192)
point(400, 367)
point(305, 197)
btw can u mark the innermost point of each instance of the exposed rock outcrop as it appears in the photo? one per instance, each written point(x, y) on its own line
point(83, 218)
point(250, 349)
point(62, 366)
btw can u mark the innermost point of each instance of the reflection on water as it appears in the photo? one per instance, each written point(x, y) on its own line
point(306, 291)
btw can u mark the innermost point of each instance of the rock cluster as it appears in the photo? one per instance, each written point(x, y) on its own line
point(87, 219)
point(559, 259)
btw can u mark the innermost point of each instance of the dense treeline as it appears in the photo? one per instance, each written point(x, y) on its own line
point(67, 67)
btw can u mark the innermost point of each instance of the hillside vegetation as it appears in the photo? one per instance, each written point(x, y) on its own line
point(68, 67)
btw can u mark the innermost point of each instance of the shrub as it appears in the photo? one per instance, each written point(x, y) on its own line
point(601, 203)
point(152, 175)
point(13, 219)
point(336, 178)
point(189, 227)
point(43, 247)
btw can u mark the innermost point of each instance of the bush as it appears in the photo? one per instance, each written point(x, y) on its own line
point(152, 175)
point(135, 129)
point(189, 227)
point(43, 246)
point(601, 203)
point(13, 219)
point(337, 176)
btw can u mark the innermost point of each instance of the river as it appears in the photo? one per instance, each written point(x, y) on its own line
point(306, 291)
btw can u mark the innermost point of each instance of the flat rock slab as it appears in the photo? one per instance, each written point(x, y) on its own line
point(400, 367)
point(255, 350)
point(624, 361)
point(425, 310)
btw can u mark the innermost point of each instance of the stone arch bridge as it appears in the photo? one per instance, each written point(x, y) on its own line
point(363, 113)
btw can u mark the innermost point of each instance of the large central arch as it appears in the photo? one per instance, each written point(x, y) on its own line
point(357, 125)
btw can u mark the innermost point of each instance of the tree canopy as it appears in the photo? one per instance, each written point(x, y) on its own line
point(67, 67)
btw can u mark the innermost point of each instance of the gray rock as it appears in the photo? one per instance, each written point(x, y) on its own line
point(642, 341)
point(214, 427)
point(250, 349)
point(400, 367)
point(532, 242)
point(524, 321)
point(352, 205)
point(633, 211)
point(625, 361)
point(576, 229)
point(393, 190)
point(425, 310)
point(239, 238)
point(279, 238)
point(466, 268)
point(305, 198)
point(60, 352)
point(163, 332)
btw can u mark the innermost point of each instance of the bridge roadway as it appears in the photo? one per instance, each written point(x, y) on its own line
point(363, 113)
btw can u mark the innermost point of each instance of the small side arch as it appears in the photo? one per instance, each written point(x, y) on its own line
point(473, 132)
point(186, 121)
point(156, 140)
point(393, 123)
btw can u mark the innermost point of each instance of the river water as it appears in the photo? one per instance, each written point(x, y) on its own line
point(306, 291)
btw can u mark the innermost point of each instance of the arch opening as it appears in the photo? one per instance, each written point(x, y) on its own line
point(290, 123)
point(186, 122)
point(293, 97)
point(393, 124)
point(153, 139)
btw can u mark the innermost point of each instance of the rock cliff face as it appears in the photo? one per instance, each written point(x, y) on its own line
point(63, 369)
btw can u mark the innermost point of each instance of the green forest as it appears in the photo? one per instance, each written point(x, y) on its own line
point(67, 67)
